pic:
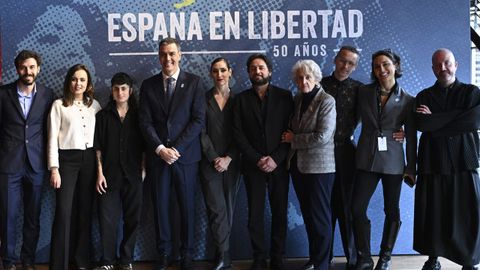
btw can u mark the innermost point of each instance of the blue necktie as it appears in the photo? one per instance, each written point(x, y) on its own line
point(169, 92)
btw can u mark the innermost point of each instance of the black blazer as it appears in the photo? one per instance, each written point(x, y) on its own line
point(23, 140)
point(217, 137)
point(256, 138)
point(179, 126)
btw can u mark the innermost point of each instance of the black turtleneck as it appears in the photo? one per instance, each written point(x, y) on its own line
point(307, 99)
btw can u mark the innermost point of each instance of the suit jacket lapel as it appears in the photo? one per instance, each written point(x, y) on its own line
point(391, 103)
point(179, 92)
point(160, 93)
point(373, 105)
point(37, 99)
point(296, 115)
point(12, 93)
point(253, 99)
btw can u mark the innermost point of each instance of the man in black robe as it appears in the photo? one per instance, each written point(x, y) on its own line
point(447, 197)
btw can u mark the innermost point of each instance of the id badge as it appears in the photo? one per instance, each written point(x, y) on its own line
point(382, 144)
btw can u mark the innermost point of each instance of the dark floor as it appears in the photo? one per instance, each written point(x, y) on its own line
point(410, 262)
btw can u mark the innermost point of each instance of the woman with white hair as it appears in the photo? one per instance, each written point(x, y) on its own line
point(311, 158)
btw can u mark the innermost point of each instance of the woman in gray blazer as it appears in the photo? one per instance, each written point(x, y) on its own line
point(311, 159)
point(220, 164)
point(384, 107)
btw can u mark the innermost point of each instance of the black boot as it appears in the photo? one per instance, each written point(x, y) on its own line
point(432, 264)
point(222, 262)
point(390, 232)
point(361, 233)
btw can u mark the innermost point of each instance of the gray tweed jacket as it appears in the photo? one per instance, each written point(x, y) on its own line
point(314, 133)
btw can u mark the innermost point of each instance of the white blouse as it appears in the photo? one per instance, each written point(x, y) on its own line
point(70, 128)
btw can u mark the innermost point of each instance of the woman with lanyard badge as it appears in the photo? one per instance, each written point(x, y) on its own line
point(383, 107)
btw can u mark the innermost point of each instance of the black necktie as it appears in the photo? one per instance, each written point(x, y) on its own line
point(169, 92)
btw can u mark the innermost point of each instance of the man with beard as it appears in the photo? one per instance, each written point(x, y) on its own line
point(447, 197)
point(261, 115)
point(24, 106)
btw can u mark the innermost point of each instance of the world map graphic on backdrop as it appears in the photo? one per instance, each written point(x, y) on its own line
point(110, 36)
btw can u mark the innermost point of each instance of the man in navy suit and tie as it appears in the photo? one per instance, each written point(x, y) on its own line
point(172, 114)
point(24, 106)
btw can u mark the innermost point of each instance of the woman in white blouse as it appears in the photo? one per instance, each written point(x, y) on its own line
point(71, 160)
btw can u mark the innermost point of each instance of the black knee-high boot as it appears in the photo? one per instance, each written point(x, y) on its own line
point(361, 233)
point(390, 233)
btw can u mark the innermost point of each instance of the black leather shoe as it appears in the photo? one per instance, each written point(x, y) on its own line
point(259, 264)
point(162, 263)
point(364, 264)
point(277, 265)
point(308, 266)
point(186, 264)
point(125, 266)
point(432, 264)
point(222, 262)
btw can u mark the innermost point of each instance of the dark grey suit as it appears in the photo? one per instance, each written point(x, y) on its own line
point(397, 112)
point(219, 189)
point(388, 165)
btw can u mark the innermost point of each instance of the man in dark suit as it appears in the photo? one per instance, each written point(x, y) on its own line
point(172, 113)
point(24, 106)
point(261, 115)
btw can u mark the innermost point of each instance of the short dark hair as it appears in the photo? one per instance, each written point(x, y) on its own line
point(168, 41)
point(392, 56)
point(259, 56)
point(121, 78)
point(24, 55)
point(348, 48)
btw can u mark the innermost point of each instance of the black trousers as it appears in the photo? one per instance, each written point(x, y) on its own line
point(26, 184)
point(342, 199)
point(73, 211)
point(257, 183)
point(220, 192)
point(365, 186)
point(314, 193)
point(126, 200)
